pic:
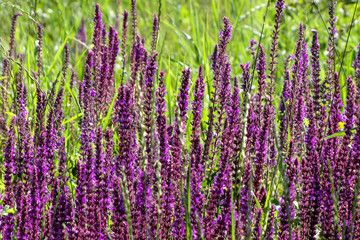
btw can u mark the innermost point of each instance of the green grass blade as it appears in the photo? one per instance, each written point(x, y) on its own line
point(67, 87)
point(106, 119)
point(73, 118)
point(57, 55)
point(339, 134)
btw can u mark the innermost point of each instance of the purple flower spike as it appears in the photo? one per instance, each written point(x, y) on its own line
point(66, 60)
point(155, 33)
point(5, 73)
point(98, 28)
point(101, 186)
point(167, 198)
point(257, 225)
point(22, 203)
point(236, 115)
point(287, 211)
point(120, 226)
point(81, 33)
point(356, 138)
point(7, 226)
point(224, 101)
point(127, 156)
point(221, 72)
point(62, 216)
point(124, 41)
point(224, 38)
point(280, 6)
point(197, 169)
point(345, 166)
point(183, 96)
point(7, 222)
point(261, 151)
point(315, 70)
point(9, 164)
point(328, 86)
point(261, 68)
point(113, 50)
point(310, 171)
point(356, 66)
point(176, 149)
point(244, 202)
point(150, 71)
point(12, 52)
point(161, 120)
point(270, 228)
point(245, 79)
point(253, 43)
point(40, 34)
point(134, 19)
point(214, 57)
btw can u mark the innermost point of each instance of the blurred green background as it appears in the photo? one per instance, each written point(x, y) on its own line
point(189, 30)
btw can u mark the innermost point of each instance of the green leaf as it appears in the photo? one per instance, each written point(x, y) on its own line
point(339, 134)
point(67, 87)
point(106, 119)
point(67, 138)
point(275, 201)
point(267, 204)
point(11, 210)
point(11, 114)
point(79, 61)
point(73, 118)
point(256, 200)
point(7, 210)
point(57, 55)
point(306, 122)
point(232, 219)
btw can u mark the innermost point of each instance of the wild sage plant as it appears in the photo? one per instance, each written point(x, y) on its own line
point(258, 168)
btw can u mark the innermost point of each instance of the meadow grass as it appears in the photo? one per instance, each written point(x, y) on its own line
point(188, 32)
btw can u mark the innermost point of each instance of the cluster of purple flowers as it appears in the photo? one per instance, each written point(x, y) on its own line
point(258, 168)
